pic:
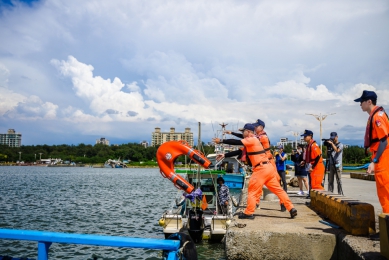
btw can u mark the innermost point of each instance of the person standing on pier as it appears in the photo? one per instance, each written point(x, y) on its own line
point(313, 161)
point(376, 138)
point(280, 162)
point(263, 172)
point(300, 171)
point(264, 139)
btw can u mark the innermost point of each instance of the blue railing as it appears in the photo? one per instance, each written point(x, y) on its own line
point(45, 239)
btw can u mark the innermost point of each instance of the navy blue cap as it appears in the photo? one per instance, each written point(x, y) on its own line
point(280, 147)
point(333, 135)
point(367, 95)
point(259, 122)
point(250, 127)
point(307, 132)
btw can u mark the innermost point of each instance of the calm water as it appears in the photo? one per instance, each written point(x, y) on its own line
point(116, 202)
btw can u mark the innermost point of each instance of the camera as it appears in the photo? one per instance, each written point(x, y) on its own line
point(327, 143)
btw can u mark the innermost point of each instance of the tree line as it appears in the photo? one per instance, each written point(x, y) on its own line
point(99, 153)
point(84, 153)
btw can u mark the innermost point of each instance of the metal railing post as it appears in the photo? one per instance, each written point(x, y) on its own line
point(43, 250)
point(172, 255)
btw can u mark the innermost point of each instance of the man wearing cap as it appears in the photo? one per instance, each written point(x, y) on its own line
point(263, 172)
point(264, 139)
point(376, 135)
point(313, 161)
point(335, 162)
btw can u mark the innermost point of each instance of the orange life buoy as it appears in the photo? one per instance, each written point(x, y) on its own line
point(166, 156)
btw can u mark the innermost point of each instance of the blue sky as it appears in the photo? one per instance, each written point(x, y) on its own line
point(74, 71)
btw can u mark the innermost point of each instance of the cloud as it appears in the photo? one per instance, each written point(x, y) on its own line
point(102, 95)
point(175, 63)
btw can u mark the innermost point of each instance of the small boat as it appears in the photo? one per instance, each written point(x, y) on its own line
point(196, 211)
point(114, 164)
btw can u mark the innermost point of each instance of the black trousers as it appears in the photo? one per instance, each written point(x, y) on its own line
point(283, 179)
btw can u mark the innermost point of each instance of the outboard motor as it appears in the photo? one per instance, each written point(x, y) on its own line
point(187, 247)
point(196, 225)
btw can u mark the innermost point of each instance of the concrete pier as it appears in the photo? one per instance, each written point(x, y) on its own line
point(274, 235)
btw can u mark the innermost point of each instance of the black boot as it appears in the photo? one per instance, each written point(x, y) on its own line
point(244, 216)
point(283, 207)
point(293, 213)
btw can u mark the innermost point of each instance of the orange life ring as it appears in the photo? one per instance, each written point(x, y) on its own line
point(166, 156)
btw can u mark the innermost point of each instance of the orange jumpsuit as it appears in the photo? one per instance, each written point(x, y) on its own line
point(380, 129)
point(317, 173)
point(263, 174)
point(264, 139)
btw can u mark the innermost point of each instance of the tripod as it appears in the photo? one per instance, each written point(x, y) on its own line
point(330, 158)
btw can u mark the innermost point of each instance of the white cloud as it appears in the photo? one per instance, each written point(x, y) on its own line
point(178, 62)
point(101, 94)
point(9, 100)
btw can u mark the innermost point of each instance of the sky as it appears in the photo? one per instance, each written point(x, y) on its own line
point(74, 71)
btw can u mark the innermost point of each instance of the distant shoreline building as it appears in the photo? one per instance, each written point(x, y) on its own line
point(102, 140)
point(144, 143)
point(158, 137)
point(285, 141)
point(11, 138)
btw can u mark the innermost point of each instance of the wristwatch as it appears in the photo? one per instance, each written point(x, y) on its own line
point(375, 160)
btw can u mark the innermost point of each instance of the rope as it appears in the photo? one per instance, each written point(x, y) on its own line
point(183, 246)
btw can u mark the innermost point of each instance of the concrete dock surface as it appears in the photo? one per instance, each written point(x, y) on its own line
point(274, 235)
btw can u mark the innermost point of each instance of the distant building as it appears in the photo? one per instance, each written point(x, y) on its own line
point(158, 137)
point(102, 140)
point(285, 141)
point(145, 143)
point(11, 138)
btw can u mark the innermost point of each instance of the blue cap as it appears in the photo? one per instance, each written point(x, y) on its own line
point(307, 132)
point(280, 147)
point(367, 95)
point(259, 122)
point(250, 127)
point(333, 135)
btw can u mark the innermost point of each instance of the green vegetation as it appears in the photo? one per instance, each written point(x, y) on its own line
point(88, 154)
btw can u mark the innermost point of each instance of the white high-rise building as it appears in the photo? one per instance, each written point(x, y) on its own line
point(11, 138)
point(158, 137)
point(102, 140)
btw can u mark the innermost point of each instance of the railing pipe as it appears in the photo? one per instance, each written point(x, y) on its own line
point(45, 239)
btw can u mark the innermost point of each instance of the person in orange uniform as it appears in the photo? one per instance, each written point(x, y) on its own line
point(263, 172)
point(264, 139)
point(376, 138)
point(313, 161)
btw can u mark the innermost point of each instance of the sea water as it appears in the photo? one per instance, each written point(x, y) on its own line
point(115, 202)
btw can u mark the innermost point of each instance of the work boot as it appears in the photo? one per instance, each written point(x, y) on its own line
point(244, 216)
point(293, 213)
point(283, 207)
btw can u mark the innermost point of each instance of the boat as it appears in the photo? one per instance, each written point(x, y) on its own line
point(114, 164)
point(196, 211)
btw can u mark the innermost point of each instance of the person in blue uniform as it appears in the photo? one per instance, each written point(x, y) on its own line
point(280, 163)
